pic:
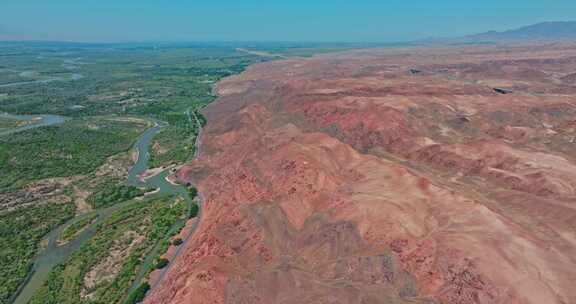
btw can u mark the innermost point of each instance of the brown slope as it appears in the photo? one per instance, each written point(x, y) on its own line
point(347, 179)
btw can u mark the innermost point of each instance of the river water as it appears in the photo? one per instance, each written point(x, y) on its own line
point(53, 254)
point(35, 121)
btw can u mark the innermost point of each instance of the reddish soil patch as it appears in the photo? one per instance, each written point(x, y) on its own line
point(347, 178)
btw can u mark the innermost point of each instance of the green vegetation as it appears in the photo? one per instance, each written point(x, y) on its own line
point(309, 49)
point(133, 230)
point(138, 295)
point(201, 118)
point(193, 192)
point(110, 193)
point(194, 208)
point(177, 242)
point(76, 227)
point(20, 234)
point(161, 263)
point(175, 143)
point(193, 212)
point(76, 147)
point(105, 91)
point(141, 81)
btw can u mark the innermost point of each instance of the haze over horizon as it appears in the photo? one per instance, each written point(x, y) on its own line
point(257, 20)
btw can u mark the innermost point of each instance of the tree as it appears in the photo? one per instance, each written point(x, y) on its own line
point(194, 209)
point(138, 295)
point(162, 263)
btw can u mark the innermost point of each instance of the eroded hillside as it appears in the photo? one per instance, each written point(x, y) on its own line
point(388, 176)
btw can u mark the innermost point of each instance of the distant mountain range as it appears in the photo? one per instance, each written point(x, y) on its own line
point(560, 30)
point(544, 31)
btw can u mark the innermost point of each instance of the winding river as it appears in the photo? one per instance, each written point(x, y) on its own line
point(52, 253)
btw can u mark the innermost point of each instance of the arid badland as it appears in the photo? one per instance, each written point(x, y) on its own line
point(421, 175)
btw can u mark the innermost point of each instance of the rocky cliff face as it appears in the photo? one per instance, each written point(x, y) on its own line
point(350, 178)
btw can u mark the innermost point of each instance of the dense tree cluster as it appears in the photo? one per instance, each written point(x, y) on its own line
point(75, 147)
point(20, 233)
point(109, 194)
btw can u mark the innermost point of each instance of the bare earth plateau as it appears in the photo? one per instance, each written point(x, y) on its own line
point(417, 175)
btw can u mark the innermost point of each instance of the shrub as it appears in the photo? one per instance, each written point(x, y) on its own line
point(110, 194)
point(194, 209)
point(193, 192)
point(162, 263)
point(138, 295)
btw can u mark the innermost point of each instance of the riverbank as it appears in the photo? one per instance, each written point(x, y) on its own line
point(173, 250)
point(187, 233)
point(31, 121)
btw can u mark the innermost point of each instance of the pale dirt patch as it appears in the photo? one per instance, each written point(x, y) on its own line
point(51, 190)
point(132, 119)
point(80, 197)
point(44, 243)
point(151, 172)
point(108, 97)
point(172, 179)
point(134, 155)
point(44, 191)
point(93, 126)
point(116, 166)
point(149, 193)
point(110, 267)
point(158, 149)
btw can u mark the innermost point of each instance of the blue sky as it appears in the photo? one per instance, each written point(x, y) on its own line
point(272, 20)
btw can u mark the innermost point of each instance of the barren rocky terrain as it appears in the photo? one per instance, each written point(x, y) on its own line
point(439, 175)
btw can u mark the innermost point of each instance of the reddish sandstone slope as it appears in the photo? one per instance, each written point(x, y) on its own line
point(388, 176)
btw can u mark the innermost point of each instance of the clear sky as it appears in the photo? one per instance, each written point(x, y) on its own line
point(270, 20)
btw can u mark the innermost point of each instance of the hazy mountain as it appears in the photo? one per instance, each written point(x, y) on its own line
point(559, 30)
